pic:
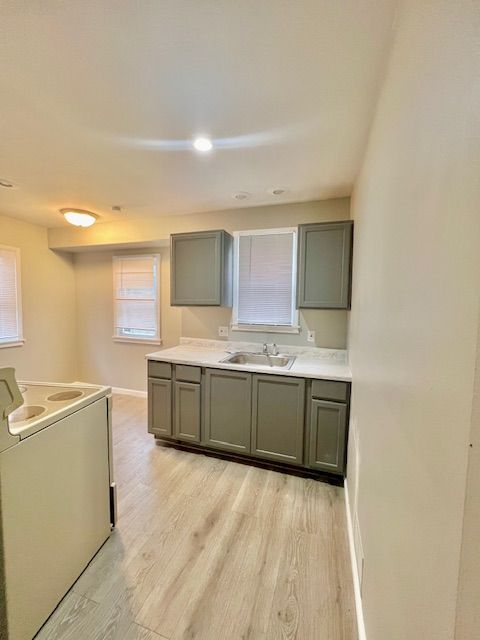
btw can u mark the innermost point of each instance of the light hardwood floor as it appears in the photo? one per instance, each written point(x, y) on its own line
point(208, 549)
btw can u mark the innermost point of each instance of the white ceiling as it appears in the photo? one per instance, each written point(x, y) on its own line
point(100, 99)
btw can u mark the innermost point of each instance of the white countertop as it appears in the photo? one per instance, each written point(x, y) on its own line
point(320, 364)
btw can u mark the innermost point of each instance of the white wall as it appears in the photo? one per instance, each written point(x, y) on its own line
point(413, 329)
point(468, 609)
point(48, 302)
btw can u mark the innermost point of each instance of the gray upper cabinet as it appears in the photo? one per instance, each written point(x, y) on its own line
point(324, 265)
point(278, 418)
point(187, 411)
point(160, 406)
point(228, 402)
point(201, 269)
point(328, 425)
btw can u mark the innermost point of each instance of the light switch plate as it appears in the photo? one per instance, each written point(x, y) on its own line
point(310, 336)
point(223, 332)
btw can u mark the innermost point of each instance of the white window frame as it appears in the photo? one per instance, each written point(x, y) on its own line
point(265, 328)
point(19, 340)
point(140, 340)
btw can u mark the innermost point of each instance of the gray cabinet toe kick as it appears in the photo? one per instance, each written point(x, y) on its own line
point(291, 421)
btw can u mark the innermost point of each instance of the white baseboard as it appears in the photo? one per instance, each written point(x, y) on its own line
point(120, 390)
point(129, 392)
point(356, 581)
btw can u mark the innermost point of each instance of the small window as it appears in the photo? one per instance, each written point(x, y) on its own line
point(11, 333)
point(265, 281)
point(136, 298)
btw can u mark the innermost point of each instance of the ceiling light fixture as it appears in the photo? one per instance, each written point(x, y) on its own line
point(202, 144)
point(277, 191)
point(79, 217)
point(241, 195)
point(6, 183)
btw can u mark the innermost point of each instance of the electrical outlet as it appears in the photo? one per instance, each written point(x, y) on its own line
point(223, 332)
point(310, 336)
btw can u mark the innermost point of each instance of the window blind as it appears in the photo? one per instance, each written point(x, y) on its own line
point(266, 279)
point(136, 302)
point(10, 318)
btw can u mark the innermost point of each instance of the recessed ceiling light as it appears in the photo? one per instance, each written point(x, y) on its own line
point(6, 183)
point(202, 144)
point(241, 195)
point(277, 191)
point(79, 217)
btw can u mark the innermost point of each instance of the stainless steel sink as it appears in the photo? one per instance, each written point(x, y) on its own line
point(260, 359)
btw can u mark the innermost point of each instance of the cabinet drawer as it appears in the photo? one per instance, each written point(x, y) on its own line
point(159, 369)
point(187, 373)
point(330, 390)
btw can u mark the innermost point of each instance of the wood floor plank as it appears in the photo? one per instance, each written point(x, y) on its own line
point(65, 622)
point(136, 632)
point(312, 599)
point(195, 559)
point(209, 549)
point(246, 568)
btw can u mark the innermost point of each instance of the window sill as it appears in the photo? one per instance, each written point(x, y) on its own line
point(14, 343)
point(263, 328)
point(137, 340)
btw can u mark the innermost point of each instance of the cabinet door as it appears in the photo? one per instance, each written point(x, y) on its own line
point(201, 269)
point(187, 411)
point(160, 407)
point(324, 265)
point(228, 402)
point(327, 436)
point(278, 418)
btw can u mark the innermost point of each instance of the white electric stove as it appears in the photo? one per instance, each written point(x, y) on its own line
point(57, 493)
point(45, 403)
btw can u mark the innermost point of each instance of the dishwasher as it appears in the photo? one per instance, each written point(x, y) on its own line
point(57, 494)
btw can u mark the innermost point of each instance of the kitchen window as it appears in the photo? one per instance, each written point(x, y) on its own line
point(265, 281)
point(136, 298)
point(11, 333)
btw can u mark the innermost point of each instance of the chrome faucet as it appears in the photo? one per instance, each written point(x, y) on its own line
point(272, 350)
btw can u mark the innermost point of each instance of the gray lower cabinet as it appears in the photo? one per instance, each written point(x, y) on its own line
point(187, 412)
point(328, 424)
point(160, 407)
point(261, 415)
point(278, 418)
point(201, 269)
point(227, 406)
point(324, 265)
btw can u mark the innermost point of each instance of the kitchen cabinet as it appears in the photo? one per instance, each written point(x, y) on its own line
point(324, 265)
point(328, 426)
point(160, 406)
point(228, 403)
point(278, 418)
point(187, 411)
point(201, 269)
